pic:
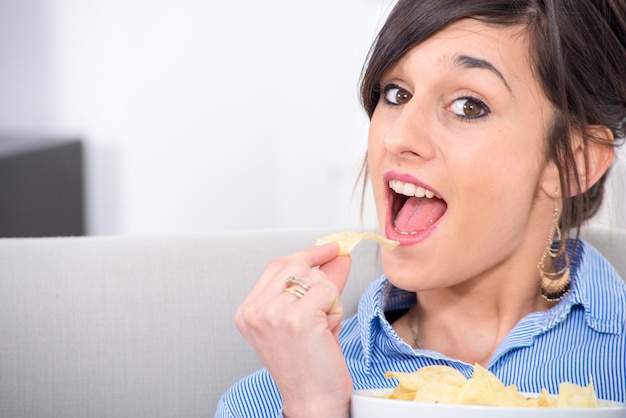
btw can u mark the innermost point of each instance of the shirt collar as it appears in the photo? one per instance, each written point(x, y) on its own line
point(595, 286)
point(379, 297)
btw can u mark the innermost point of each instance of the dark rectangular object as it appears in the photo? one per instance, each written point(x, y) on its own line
point(41, 187)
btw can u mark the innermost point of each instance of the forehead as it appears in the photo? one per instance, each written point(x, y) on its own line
point(505, 48)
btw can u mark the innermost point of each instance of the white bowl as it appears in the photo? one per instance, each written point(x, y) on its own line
point(368, 404)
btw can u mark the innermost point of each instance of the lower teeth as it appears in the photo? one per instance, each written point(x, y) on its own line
point(405, 232)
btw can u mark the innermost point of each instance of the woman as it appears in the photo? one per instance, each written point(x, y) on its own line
point(493, 125)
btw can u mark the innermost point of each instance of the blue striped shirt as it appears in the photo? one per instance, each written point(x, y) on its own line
point(583, 335)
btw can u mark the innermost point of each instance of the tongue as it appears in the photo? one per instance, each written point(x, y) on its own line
point(417, 214)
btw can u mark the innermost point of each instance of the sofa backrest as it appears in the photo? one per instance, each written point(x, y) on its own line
point(611, 242)
point(134, 326)
point(143, 326)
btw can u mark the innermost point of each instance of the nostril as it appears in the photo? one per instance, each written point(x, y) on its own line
point(409, 154)
point(410, 146)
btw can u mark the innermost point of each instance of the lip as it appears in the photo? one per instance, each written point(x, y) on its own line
point(390, 231)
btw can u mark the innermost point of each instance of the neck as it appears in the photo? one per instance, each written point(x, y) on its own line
point(470, 326)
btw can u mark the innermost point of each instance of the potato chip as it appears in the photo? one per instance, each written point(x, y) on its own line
point(510, 396)
point(415, 380)
point(481, 389)
point(575, 396)
point(486, 378)
point(444, 384)
point(449, 382)
point(402, 393)
point(546, 400)
point(477, 392)
point(409, 382)
point(347, 240)
point(437, 392)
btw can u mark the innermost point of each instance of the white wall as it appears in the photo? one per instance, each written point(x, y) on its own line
point(23, 90)
point(202, 115)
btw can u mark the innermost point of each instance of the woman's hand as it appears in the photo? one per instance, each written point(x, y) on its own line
point(295, 336)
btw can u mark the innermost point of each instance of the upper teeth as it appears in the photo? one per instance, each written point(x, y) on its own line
point(411, 190)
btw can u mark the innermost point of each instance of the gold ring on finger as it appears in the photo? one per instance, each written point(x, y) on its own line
point(294, 290)
point(293, 280)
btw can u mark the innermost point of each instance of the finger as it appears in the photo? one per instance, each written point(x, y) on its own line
point(299, 286)
point(295, 265)
point(337, 270)
point(268, 306)
point(323, 297)
point(332, 267)
point(274, 296)
point(318, 255)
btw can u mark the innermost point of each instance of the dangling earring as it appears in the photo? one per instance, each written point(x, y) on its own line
point(554, 285)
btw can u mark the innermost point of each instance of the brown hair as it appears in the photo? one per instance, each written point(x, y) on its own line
point(578, 49)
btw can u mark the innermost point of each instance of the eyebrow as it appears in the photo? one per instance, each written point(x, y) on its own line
point(473, 62)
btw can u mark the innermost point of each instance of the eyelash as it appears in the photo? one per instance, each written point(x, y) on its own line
point(484, 109)
point(385, 89)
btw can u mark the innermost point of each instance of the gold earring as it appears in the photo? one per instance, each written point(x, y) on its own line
point(554, 285)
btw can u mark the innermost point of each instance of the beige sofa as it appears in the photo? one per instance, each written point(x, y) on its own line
point(143, 326)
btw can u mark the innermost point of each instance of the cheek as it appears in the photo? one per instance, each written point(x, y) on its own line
point(375, 176)
point(502, 158)
point(377, 130)
point(375, 157)
point(375, 153)
point(374, 137)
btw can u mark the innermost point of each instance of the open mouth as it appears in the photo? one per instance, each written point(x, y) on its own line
point(414, 208)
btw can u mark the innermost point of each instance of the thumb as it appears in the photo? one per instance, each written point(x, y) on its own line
point(337, 270)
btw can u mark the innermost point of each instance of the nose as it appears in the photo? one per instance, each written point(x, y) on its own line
point(409, 133)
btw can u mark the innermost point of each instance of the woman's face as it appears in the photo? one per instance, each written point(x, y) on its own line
point(460, 128)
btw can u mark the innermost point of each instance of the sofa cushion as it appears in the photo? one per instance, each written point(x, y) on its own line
point(134, 326)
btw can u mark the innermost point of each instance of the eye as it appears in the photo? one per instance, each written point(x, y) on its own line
point(469, 108)
point(396, 95)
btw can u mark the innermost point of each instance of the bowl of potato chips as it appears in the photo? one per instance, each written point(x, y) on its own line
point(443, 392)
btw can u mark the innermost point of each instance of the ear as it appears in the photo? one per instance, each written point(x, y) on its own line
point(550, 181)
point(594, 158)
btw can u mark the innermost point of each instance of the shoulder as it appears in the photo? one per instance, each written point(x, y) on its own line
point(255, 395)
point(596, 276)
point(598, 288)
